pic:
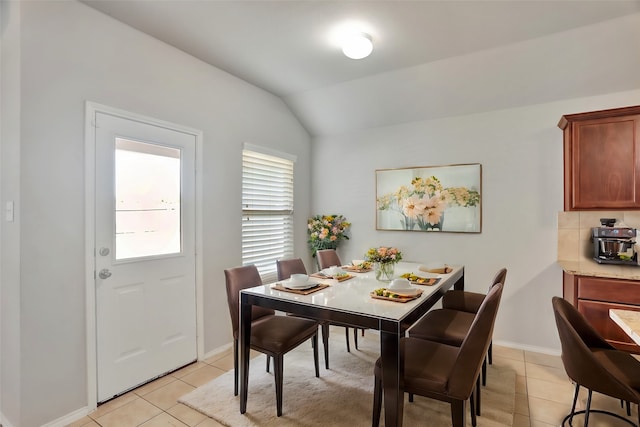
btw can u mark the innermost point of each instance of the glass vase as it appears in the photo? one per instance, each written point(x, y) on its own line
point(408, 223)
point(384, 271)
point(426, 226)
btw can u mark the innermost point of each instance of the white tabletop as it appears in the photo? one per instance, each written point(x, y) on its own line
point(353, 295)
point(350, 302)
point(629, 321)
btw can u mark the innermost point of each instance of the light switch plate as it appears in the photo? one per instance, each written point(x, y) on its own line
point(8, 211)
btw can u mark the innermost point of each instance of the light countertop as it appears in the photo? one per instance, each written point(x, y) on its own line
point(629, 321)
point(589, 267)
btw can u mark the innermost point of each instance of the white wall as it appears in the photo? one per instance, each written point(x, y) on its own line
point(522, 191)
point(9, 231)
point(71, 53)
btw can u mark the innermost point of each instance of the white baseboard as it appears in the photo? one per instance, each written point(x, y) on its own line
point(68, 419)
point(218, 350)
point(83, 412)
point(543, 350)
point(4, 422)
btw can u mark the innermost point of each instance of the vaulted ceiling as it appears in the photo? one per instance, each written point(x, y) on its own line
point(431, 58)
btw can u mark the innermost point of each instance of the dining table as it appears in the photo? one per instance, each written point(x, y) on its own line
point(353, 302)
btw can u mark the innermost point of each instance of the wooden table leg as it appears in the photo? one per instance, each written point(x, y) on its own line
point(459, 285)
point(392, 378)
point(245, 346)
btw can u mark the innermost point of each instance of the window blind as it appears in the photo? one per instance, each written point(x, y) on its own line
point(267, 211)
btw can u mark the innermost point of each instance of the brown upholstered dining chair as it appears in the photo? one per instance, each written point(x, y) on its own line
point(592, 362)
point(271, 334)
point(328, 258)
point(445, 372)
point(451, 324)
point(470, 302)
point(287, 267)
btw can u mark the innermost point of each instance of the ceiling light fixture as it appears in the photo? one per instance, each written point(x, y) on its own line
point(357, 45)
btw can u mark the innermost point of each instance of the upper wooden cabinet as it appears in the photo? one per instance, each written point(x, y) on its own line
point(602, 159)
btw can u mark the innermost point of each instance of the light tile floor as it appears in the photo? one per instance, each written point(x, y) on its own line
point(543, 394)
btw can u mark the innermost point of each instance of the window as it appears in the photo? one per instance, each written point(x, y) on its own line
point(147, 211)
point(267, 209)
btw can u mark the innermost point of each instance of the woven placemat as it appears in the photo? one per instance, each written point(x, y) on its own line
point(355, 269)
point(399, 299)
point(320, 286)
point(428, 281)
point(444, 270)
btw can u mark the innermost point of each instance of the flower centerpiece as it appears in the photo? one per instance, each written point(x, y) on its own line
point(384, 259)
point(326, 232)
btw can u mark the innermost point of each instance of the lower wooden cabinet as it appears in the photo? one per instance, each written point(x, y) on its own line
point(594, 296)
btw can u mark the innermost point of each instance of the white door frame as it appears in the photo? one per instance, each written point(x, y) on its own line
point(91, 109)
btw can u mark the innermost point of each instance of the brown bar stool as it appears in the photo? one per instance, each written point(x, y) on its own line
point(592, 362)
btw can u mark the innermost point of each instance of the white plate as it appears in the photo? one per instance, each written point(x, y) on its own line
point(301, 288)
point(310, 284)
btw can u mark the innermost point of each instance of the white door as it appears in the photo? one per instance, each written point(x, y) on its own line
point(145, 252)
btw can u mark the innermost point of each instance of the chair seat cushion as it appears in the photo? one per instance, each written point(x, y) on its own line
point(427, 365)
point(257, 314)
point(444, 326)
point(621, 365)
point(279, 334)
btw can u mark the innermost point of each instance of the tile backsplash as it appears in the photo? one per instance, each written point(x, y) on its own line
point(574, 231)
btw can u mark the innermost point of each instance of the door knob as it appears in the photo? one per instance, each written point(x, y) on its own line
point(104, 273)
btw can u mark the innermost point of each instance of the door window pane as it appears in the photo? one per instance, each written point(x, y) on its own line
point(147, 204)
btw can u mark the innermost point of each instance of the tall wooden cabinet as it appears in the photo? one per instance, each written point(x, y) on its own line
point(602, 159)
point(602, 172)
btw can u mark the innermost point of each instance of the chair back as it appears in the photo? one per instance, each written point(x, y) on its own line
point(500, 277)
point(470, 301)
point(578, 340)
point(475, 346)
point(327, 258)
point(287, 267)
point(237, 279)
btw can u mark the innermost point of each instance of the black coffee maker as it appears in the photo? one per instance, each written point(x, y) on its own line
point(614, 245)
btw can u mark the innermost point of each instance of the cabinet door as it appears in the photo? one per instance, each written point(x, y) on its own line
point(605, 163)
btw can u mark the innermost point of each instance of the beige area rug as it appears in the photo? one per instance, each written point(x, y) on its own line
point(343, 395)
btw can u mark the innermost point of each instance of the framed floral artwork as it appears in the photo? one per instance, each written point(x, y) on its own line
point(430, 198)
